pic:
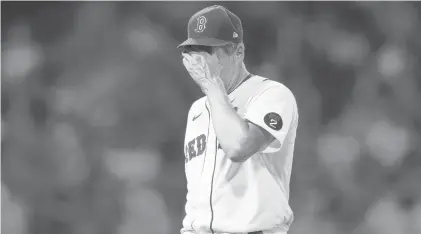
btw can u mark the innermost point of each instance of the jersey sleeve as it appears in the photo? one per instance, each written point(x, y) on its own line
point(273, 110)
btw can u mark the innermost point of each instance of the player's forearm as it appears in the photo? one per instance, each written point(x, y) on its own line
point(231, 130)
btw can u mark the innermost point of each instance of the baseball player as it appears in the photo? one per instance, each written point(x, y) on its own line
point(240, 136)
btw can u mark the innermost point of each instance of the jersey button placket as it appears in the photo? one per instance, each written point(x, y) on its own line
point(208, 172)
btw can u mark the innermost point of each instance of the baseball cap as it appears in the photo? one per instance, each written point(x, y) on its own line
point(213, 26)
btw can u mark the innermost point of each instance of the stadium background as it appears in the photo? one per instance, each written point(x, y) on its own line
point(94, 102)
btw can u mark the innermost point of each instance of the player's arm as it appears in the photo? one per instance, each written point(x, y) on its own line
point(240, 138)
point(274, 110)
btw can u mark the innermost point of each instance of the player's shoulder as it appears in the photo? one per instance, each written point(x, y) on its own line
point(198, 103)
point(263, 85)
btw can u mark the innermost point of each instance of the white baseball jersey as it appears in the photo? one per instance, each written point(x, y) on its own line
point(224, 196)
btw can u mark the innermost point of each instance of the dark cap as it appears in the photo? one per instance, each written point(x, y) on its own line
point(213, 26)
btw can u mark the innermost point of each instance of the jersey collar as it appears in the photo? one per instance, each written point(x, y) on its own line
point(242, 82)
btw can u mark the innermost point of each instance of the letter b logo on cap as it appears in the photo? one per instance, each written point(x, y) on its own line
point(201, 24)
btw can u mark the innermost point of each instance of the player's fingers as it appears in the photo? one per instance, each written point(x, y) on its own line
point(198, 59)
point(187, 60)
point(194, 72)
point(191, 59)
point(186, 63)
point(207, 70)
point(186, 56)
point(192, 68)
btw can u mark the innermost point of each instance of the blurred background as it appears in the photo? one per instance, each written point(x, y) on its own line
point(94, 100)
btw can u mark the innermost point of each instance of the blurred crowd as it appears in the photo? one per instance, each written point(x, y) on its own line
point(94, 100)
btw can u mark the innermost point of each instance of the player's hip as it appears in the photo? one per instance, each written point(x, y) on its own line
point(256, 232)
point(201, 226)
point(219, 222)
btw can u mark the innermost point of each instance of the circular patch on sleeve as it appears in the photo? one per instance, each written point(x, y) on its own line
point(273, 120)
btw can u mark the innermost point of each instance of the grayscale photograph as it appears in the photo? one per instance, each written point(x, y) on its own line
point(196, 117)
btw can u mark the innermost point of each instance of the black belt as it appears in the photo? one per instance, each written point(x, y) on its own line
point(257, 232)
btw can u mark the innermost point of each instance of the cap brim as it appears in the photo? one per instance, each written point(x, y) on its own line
point(204, 42)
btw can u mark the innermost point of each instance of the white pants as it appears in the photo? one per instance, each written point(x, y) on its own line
point(192, 232)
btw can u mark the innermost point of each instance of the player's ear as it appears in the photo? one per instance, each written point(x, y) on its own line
point(239, 53)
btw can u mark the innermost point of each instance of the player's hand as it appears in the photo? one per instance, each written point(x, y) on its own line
point(204, 69)
point(196, 66)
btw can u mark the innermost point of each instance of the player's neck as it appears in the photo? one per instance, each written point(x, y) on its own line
point(242, 74)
